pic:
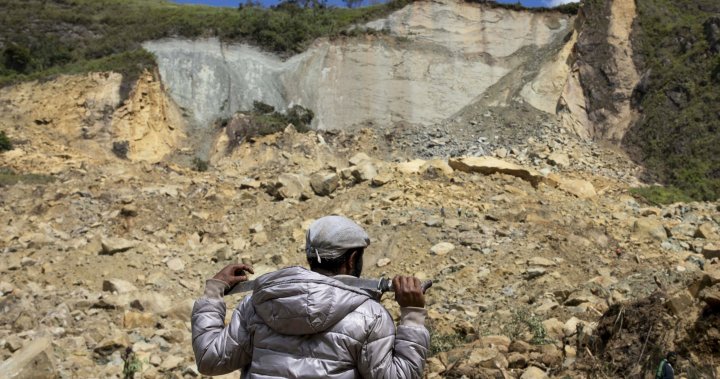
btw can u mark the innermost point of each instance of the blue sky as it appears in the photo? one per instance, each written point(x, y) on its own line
point(234, 3)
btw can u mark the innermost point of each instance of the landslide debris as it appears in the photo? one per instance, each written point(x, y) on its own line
point(111, 254)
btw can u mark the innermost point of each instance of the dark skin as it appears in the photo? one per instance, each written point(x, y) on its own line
point(408, 290)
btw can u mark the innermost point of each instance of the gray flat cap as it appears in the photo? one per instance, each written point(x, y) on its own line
point(331, 236)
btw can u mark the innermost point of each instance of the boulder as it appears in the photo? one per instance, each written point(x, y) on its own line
point(118, 285)
point(324, 183)
point(176, 264)
point(364, 171)
point(540, 262)
point(133, 319)
point(114, 245)
point(559, 159)
point(381, 179)
point(442, 248)
point(34, 361)
point(683, 231)
point(359, 158)
point(412, 167)
point(582, 189)
point(706, 231)
point(436, 168)
point(290, 186)
point(648, 229)
point(711, 251)
point(533, 372)
point(491, 165)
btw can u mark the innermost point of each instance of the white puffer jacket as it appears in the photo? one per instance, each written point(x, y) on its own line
point(300, 324)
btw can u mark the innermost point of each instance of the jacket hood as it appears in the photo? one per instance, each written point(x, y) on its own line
point(297, 301)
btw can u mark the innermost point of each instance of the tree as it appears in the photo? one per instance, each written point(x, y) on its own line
point(17, 58)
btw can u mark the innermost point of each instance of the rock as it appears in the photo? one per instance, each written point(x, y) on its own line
point(382, 262)
point(490, 165)
point(6, 288)
point(249, 183)
point(711, 251)
point(115, 341)
point(551, 355)
point(412, 167)
point(684, 230)
point(483, 357)
point(705, 231)
point(290, 186)
point(711, 297)
point(381, 179)
point(501, 152)
point(13, 343)
point(517, 360)
point(359, 158)
point(436, 168)
point(501, 343)
point(540, 262)
point(554, 328)
point(324, 183)
point(176, 264)
point(534, 272)
point(680, 303)
point(151, 302)
point(520, 346)
point(133, 319)
point(533, 372)
point(114, 245)
point(34, 361)
point(570, 326)
point(118, 286)
point(171, 362)
point(442, 248)
point(256, 228)
point(582, 189)
point(559, 159)
point(648, 229)
point(364, 172)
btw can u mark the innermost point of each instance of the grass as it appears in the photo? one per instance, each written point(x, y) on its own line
point(523, 321)
point(659, 195)
point(8, 178)
point(678, 135)
point(41, 39)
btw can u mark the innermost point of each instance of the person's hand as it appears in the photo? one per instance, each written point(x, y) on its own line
point(408, 291)
point(234, 273)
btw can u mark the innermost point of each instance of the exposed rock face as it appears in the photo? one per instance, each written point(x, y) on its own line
point(598, 92)
point(439, 57)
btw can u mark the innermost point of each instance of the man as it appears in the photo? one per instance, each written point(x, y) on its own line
point(305, 324)
point(665, 370)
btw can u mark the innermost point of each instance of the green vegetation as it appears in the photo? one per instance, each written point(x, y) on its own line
point(40, 39)
point(570, 8)
point(659, 195)
point(523, 321)
point(678, 135)
point(200, 164)
point(266, 120)
point(5, 143)
point(444, 342)
point(8, 177)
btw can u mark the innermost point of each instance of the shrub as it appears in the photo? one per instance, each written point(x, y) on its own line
point(200, 165)
point(522, 322)
point(5, 143)
point(120, 149)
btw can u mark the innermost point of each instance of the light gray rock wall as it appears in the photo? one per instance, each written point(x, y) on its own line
point(438, 57)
